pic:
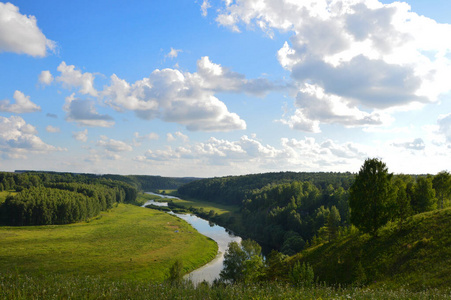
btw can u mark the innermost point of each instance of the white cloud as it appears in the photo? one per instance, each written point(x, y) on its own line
point(70, 77)
point(184, 98)
point(204, 7)
point(113, 145)
point(173, 53)
point(177, 135)
point(81, 136)
point(18, 138)
point(149, 136)
point(170, 137)
point(366, 57)
point(46, 77)
point(84, 113)
point(314, 105)
point(248, 155)
point(22, 104)
point(20, 33)
point(52, 129)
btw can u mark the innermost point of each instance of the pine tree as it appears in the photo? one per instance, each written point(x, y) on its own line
point(371, 197)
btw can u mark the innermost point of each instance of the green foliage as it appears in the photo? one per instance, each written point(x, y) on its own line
point(442, 186)
point(242, 263)
point(424, 197)
point(56, 198)
point(418, 255)
point(176, 272)
point(302, 274)
point(372, 197)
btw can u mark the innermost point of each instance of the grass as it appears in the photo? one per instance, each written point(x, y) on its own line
point(127, 242)
point(219, 209)
point(14, 286)
point(416, 255)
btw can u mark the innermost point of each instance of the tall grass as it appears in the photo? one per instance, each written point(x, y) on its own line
point(16, 286)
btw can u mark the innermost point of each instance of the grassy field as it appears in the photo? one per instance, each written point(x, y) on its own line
point(416, 255)
point(13, 286)
point(127, 242)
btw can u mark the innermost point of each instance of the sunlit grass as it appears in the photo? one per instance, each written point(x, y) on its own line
point(14, 286)
point(127, 242)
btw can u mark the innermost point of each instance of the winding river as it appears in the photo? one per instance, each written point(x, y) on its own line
point(210, 271)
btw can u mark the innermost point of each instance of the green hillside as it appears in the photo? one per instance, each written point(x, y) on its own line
point(416, 255)
point(126, 242)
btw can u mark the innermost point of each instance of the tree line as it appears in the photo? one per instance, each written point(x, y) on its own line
point(287, 211)
point(59, 198)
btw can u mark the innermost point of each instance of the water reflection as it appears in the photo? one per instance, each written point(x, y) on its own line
point(219, 234)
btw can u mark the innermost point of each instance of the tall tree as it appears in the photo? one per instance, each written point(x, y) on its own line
point(424, 195)
point(371, 196)
point(242, 263)
point(403, 208)
point(333, 222)
point(442, 186)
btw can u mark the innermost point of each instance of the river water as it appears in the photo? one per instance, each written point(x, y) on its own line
point(219, 234)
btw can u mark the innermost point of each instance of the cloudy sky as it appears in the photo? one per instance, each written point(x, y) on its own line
point(224, 87)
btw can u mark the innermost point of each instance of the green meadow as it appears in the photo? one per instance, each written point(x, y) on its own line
point(127, 243)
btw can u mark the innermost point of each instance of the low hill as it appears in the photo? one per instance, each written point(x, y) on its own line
point(126, 242)
point(416, 255)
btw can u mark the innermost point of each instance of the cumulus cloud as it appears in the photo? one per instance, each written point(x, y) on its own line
point(81, 136)
point(52, 129)
point(21, 34)
point(72, 78)
point(83, 112)
point(177, 136)
point(18, 138)
point(314, 105)
point(185, 98)
point(45, 77)
point(248, 154)
point(364, 56)
point(113, 145)
point(416, 144)
point(21, 105)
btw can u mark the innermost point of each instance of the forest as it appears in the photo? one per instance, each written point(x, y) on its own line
point(42, 198)
point(288, 211)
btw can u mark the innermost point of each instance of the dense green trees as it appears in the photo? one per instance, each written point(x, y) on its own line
point(57, 198)
point(442, 186)
point(372, 196)
point(243, 262)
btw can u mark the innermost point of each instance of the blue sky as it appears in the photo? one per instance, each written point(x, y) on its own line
point(213, 88)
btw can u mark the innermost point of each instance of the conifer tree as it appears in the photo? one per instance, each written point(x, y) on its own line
point(371, 197)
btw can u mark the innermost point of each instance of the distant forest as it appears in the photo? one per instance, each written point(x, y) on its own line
point(46, 198)
point(285, 211)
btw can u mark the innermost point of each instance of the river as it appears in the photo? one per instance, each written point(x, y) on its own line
point(220, 235)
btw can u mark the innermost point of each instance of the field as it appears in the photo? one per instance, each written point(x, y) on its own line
point(128, 242)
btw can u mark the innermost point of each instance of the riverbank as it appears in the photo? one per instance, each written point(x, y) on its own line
point(127, 242)
point(210, 271)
